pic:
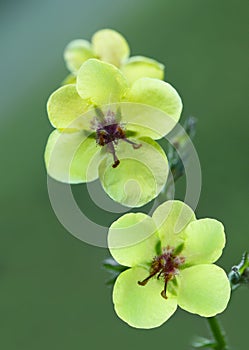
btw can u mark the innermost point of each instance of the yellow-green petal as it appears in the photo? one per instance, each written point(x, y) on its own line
point(72, 157)
point(132, 239)
point(100, 82)
point(171, 218)
point(70, 79)
point(156, 93)
point(110, 46)
point(66, 109)
point(139, 67)
point(203, 290)
point(146, 120)
point(76, 53)
point(204, 241)
point(139, 177)
point(141, 306)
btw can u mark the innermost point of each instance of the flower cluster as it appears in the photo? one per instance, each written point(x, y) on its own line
point(106, 127)
point(107, 116)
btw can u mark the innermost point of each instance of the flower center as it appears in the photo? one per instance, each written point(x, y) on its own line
point(108, 133)
point(165, 266)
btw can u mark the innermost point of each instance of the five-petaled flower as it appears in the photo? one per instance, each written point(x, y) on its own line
point(170, 256)
point(106, 128)
point(110, 46)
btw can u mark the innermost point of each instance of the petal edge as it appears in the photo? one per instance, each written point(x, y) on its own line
point(204, 290)
point(141, 306)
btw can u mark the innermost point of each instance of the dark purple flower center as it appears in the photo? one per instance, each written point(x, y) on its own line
point(165, 266)
point(109, 132)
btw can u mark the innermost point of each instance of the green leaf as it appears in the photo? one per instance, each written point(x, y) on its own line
point(203, 343)
point(239, 274)
point(190, 126)
point(180, 143)
point(111, 281)
point(114, 269)
point(111, 265)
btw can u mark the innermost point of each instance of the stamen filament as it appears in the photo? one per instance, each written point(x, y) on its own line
point(134, 144)
point(158, 276)
point(163, 293)
point(143, 283)
point(115, 158)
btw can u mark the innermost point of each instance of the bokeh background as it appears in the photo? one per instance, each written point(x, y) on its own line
point(52, 287)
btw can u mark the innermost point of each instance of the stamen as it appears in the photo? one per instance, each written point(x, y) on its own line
point(116, 163)
point(163, 293)
point(109, 131)
point(115, 158)
point(134, 145)
point(165, 266)
point(143, 283)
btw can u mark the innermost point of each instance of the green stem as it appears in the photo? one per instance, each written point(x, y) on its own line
point(218, 333)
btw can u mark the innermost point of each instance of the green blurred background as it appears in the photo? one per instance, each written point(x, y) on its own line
point(52, 291)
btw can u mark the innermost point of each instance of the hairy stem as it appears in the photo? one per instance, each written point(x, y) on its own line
point(218, 333)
